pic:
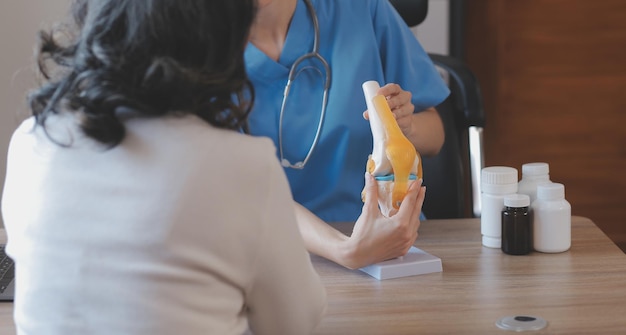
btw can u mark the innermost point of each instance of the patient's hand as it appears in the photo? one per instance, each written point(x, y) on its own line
point(375, 237)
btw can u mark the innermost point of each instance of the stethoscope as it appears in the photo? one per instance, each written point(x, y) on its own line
point(293, 73)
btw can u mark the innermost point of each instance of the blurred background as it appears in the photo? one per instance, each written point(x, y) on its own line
point(553, 77)
point(552, 73)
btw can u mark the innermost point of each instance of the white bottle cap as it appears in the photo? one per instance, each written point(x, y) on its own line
point(498, 179)
point(517, 200)
point(535, 169)
point(551, 191)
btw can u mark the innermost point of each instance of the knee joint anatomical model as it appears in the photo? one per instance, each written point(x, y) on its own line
point(394, 161)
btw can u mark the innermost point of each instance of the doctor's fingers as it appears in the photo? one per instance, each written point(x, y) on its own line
point(401, 108)
point(396, 96)
point(389, 90)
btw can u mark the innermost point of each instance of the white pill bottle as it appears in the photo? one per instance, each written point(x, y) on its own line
point(496, 182)
point(533, 174)
point(552, 219)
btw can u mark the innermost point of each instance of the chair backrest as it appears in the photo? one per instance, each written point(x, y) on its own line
point(453, 175)
point(413, 12)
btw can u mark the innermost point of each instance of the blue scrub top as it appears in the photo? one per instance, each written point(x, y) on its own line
point(361, 40)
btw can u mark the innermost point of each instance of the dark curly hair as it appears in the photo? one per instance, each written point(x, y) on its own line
point(154, 57)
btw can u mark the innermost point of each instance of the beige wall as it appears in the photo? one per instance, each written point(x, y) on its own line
point(433, 32)
point(19, 22)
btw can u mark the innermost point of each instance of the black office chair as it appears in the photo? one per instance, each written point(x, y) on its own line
point(452, 176)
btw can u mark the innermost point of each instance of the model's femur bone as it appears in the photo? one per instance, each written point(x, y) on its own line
point(392, 152)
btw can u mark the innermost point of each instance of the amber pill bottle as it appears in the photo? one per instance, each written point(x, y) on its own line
point(517, 236)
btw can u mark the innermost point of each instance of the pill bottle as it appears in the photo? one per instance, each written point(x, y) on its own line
point(517, 237)
point(496, 183)
point(552, 219)
point(533, 174)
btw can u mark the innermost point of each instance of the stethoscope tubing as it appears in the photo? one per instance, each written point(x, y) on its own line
point(314, 54)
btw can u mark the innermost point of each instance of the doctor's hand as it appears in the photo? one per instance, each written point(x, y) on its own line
point(423, 129)
point(376, 238)
point(400, 103)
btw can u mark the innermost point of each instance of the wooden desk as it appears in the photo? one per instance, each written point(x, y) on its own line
point(581, 291)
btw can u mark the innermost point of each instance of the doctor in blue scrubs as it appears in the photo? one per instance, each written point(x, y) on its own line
point(307, 60)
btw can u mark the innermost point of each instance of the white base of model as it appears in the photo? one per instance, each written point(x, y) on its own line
point(415, 262)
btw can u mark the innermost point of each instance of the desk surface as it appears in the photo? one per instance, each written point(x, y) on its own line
point(581, 291)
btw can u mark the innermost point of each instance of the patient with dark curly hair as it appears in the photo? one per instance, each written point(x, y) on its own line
point(132, 204)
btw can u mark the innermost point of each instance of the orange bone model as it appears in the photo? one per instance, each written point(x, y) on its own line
point(392, 152)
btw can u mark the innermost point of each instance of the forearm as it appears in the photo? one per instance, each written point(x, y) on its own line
point(375, 238)
point(322, 239)
point(427, 133)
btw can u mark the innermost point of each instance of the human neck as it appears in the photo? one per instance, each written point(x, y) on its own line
point(269, 30)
